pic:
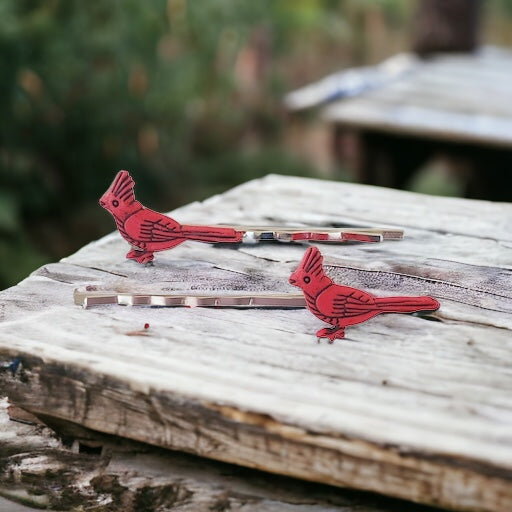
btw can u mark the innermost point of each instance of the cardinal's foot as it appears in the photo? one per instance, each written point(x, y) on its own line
point(332, 333)
point(140, 256)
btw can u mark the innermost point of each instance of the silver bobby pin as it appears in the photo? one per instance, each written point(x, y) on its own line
point(89, 299)
point(285, 234)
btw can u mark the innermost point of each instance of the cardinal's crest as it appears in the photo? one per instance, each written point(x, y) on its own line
point(122, 186)
point(312, 262)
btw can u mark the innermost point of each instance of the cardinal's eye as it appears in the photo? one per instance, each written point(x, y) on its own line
point(307, 279)
point(115, 203)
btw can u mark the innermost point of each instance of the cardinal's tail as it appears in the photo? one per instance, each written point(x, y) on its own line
point(406, 304)
point(211, 234)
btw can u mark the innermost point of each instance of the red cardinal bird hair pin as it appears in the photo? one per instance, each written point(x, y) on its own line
point(148, 231)
point(342, 306)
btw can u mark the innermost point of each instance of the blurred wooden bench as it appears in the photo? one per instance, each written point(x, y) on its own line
point(404, 407)
point(408, 110)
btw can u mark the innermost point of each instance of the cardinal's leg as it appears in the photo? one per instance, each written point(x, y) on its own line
point(140, 256)
point(332, 333)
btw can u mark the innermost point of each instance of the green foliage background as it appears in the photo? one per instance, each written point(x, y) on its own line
point(187, 95)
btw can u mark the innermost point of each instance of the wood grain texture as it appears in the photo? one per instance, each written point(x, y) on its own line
point(457, 97)
point(407, 407)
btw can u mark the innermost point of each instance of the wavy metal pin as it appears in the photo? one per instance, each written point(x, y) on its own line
point(148, 231)
point(338, 305)
point(89, 299)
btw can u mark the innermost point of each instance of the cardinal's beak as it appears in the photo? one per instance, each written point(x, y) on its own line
point(293, 280)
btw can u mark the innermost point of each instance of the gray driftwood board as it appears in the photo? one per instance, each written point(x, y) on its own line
point(404, 406)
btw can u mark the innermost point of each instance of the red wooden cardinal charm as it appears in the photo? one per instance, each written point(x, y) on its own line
point(342, 306)
point(148, 231)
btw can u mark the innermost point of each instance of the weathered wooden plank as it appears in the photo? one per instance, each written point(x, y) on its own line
point(406, 407)
point(107, 474)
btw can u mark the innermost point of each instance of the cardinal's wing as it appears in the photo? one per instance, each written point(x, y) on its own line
point(339, 301)
point(150, 226)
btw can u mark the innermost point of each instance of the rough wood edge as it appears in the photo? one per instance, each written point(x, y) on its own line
point(258, 441)
point(107, 473)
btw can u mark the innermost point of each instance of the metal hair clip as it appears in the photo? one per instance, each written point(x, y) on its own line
point(342, 306)
point(148, 231)
point(89, 299)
